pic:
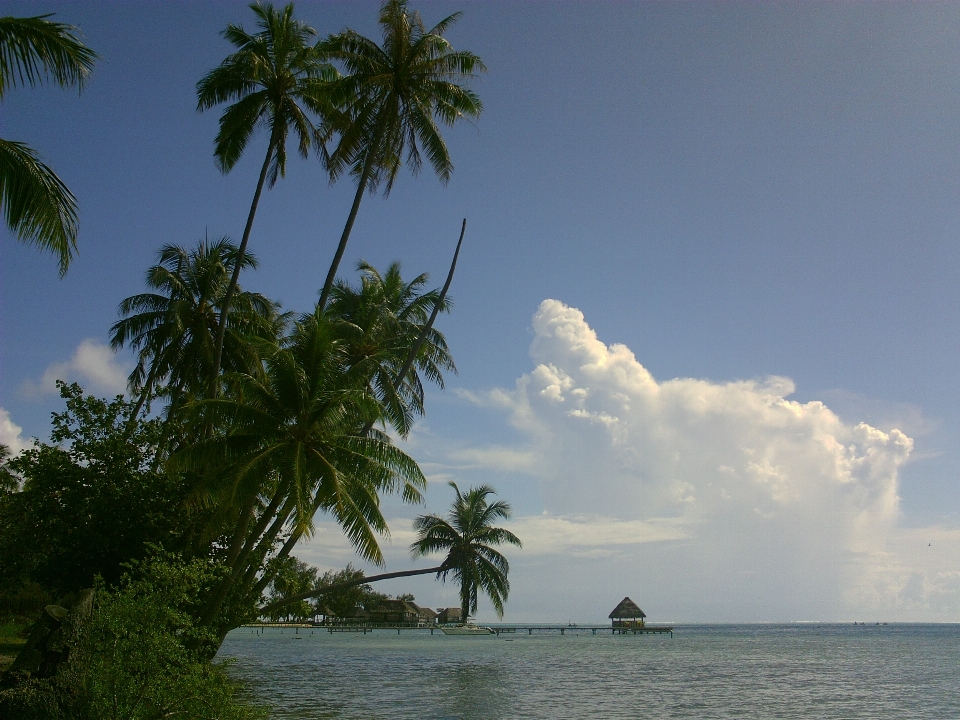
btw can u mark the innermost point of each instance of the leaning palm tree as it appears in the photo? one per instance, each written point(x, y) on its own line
point(37, 206)
point(275, 79)
point(468, 537)
point(173, 327)
point(389, 102)
point(287, 448)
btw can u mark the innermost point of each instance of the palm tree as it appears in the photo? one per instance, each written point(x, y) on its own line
point(37, 206)
point(174, 327)
point(288, 448)
point(274, 79)
point(389, 102)
point(469, 538)
point(382, 320)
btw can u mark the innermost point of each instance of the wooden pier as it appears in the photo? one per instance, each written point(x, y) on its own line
point(576, 629)
point(572, 629)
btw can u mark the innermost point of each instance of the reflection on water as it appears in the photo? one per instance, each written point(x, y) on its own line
point(793, 671)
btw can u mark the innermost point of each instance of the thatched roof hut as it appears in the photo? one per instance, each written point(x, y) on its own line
point(627, 610)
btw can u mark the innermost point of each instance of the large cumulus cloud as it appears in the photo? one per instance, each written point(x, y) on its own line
point(720, 500)
point(704, 501)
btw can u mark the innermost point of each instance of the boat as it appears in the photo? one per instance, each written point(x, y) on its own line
point(468, 629)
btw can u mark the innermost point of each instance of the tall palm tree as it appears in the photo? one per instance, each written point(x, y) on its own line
point(389, 102)
point(37, 206)
point(468, 536)
point(174, 327)
point(382, 320)
point(275, 79)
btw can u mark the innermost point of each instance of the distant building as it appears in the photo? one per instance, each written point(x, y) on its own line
point(427, 616)
point(395, 612)
point(627, 615)
point(449, 615)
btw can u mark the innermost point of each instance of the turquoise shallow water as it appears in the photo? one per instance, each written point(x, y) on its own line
point(706, 671)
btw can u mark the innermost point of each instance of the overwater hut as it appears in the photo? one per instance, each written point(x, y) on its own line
point(449, 615)
point(395, 612)
point(426, 615)
point(627, 615)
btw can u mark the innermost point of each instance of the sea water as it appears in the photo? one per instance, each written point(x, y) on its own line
point(706, 671)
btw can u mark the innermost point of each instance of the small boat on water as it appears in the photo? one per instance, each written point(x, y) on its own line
point(468, 629)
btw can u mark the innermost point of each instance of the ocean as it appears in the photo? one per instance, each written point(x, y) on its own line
point(704, 671)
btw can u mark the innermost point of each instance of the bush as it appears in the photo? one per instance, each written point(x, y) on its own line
point(131, 657)
point(138, 644)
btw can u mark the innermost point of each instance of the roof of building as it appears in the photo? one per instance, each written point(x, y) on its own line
point(627, 609)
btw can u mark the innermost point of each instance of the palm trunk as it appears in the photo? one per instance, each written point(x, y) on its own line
point(332, 273)
point(141, 401)
point(225, 308)
point(347, 584)
point(212, 608)
point(418, 343)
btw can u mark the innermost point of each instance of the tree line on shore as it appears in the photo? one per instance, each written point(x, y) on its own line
point(153, 524)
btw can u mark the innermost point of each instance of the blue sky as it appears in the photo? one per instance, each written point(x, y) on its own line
point(733, 192)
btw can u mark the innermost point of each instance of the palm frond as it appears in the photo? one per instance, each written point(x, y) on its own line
point(34, 47)
point(37, 206)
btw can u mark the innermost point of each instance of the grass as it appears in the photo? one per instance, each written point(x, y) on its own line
point(13, 636)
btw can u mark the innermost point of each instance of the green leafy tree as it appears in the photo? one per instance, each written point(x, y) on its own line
point(9, 482)
point(389, 101)
point(274, 80)
point(37, 206)
point(123, 653)
point(174, 327)
point(91, 499)
point(138, 663)
point(290, 576)
point(344, 601)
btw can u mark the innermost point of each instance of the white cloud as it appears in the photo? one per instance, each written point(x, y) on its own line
point(718, 501)
point(93, 365)
point(704, 501)
point(10, 433)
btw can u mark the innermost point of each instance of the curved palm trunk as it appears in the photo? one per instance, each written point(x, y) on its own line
point(347, 584)
point(231, 288)
point(332, 272)
point(415, 348)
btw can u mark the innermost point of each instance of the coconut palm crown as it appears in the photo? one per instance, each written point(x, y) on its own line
point(389, 101)
point(468, 537)
point(275, 80)
point(381, 321)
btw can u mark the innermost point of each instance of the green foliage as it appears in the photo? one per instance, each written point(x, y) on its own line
point(131, 658)
point(343, 602)
point(137, 648)
point(9, 482)
point(291, 576)
point(91, 500)
point(391, 96)
point(380, 322)
point(173, 327)
point(274, 78)
point(36, 205)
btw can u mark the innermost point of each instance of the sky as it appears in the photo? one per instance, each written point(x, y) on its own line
point(706, 313)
